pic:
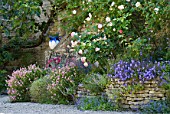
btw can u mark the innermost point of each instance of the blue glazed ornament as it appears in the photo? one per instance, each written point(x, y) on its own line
point(54, 40)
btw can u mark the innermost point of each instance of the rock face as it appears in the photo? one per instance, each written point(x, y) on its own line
point(40, 54)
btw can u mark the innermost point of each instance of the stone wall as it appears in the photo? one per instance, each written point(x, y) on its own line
point(151, 91)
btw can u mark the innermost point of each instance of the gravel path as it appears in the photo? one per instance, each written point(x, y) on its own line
point(35, 108)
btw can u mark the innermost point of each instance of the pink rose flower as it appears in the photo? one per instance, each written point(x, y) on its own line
point(120, 31)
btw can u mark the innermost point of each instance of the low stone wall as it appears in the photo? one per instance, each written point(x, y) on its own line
point(151, 91)
point(82, 92)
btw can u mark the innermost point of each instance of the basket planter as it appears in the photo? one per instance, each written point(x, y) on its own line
point(151, 91)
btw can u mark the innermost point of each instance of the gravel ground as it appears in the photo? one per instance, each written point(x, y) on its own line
point(35, 108)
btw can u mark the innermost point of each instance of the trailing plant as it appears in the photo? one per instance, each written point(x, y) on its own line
point(20, 81)
point(96, 83)
point(132, 89)
point(95, 103)
point(161, 106)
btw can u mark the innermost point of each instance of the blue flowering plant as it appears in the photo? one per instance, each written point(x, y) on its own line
point(155, 107)
point(137, 71)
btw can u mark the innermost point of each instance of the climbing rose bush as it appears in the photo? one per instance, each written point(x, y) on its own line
point(102, 29)
point(20, 80)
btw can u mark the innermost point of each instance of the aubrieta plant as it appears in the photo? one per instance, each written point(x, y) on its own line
point(137, 70)
point(156, 107)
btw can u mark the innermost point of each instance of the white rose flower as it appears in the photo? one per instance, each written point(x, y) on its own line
point(85, 64)
point(83, 59)
point(156, 10)
point(128, 0)
point(74, 11)
point(110, 9)
point(90, 15)
point(113, 3)
point(80, 52)
point(104, 38)
point(97, 49)
point(108, 19)
point(100, 26)
point(114, 29)
point(83, 44)
point(88, 19)
point(137, 4)
point(68, 46)
point(121, 7)
point(110, 24)
point(73, 44)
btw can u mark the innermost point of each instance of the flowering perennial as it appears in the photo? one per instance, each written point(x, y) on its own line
point(137, 70)
point(20, 81)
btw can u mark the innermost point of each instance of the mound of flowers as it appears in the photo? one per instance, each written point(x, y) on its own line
point(20, 80)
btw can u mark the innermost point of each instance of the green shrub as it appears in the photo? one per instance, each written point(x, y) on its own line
point(64, 83)
point(2, 80)
point(96, 83)
point(38, 90)
point(95, 103)
point(20, 81)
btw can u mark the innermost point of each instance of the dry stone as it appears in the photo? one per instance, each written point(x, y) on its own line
point(137, 99)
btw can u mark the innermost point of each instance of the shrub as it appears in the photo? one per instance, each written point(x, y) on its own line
point(2, 80)
point(38, 90)
point(64, 82)
point(95, 103)
point(153, 107)
point(20, 81)
point(96, 83)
